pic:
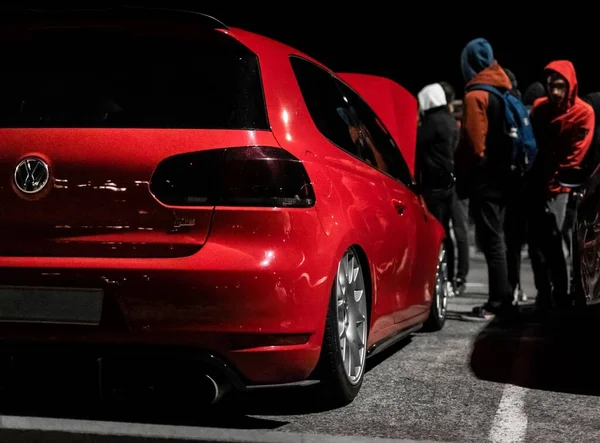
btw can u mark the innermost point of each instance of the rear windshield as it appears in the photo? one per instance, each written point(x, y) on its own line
point(114, 77)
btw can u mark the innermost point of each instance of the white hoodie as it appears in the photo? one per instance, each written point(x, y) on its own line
point(431, 96)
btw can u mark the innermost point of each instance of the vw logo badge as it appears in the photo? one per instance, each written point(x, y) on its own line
point(31, 175)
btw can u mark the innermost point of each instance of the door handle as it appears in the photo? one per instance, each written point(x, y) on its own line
point(399, 206)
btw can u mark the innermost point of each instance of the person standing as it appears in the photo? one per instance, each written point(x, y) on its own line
point(564, 128)
point(532, 93)
point(436, 138)
point(481, 169)
point(515, 221)
point(459, 217)
point(515, 85)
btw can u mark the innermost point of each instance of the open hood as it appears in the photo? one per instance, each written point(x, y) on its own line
point(395, 106)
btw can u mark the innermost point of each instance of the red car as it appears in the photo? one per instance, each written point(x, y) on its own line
point(169, 181)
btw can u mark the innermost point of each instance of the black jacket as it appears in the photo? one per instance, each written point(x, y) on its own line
point(437, 137)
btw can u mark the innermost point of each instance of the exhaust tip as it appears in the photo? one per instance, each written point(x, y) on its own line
point(215, 390)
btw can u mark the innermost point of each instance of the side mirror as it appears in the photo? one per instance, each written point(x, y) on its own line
point(572, 177)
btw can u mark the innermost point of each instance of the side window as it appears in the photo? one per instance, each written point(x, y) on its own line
point(345, 119)
point(379, 144)
point(325, 103)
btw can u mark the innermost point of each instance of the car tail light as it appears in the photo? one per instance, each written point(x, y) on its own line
point(250, 176)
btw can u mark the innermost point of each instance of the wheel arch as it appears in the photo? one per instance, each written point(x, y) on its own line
point(367, 275)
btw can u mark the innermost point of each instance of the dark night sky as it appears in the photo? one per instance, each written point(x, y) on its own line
point(415, 52)
point(415, 42)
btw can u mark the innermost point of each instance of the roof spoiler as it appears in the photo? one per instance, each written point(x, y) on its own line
point(127, 11)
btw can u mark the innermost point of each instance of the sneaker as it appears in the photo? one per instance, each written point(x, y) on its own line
point(460, 286)
point(479, 313)
point(451, 289)
point(519, 296)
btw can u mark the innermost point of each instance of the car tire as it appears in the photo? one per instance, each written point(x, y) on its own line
point(346, 332)
point(439, 304)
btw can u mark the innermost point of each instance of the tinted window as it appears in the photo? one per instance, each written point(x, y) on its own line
point(380, 148)
point(325, 103)
point(345, 119)
point(113, 77)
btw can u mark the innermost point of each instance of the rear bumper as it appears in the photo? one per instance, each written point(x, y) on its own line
point(255, 296)
point(110, 369)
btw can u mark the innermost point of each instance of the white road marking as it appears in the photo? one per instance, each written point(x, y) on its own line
point(510, 421)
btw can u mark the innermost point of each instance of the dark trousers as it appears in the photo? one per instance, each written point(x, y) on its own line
point(460, 225)
point(440, 205)
point(547, 250)
point(489, 215)
point(515, 230)
point(567, 230)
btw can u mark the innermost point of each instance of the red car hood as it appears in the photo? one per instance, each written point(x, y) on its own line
point(394, 105)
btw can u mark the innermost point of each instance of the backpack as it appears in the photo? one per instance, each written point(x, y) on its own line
point(519, 132)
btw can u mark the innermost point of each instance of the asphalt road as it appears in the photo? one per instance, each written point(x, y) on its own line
point(471, 382)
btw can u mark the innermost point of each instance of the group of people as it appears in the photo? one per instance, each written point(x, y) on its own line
point(505, 152)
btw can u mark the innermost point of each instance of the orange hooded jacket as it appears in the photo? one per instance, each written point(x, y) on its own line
point(476, 124)
point(563, 134)
point(482, 127)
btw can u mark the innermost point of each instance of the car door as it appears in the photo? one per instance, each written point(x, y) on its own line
point(403, 209)
point(358, 184)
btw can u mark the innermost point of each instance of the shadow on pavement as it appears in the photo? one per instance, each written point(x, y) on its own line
point(377, 359)
point(459, 305)
point(554, 354)
point(167, 407)
point(65, 396)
